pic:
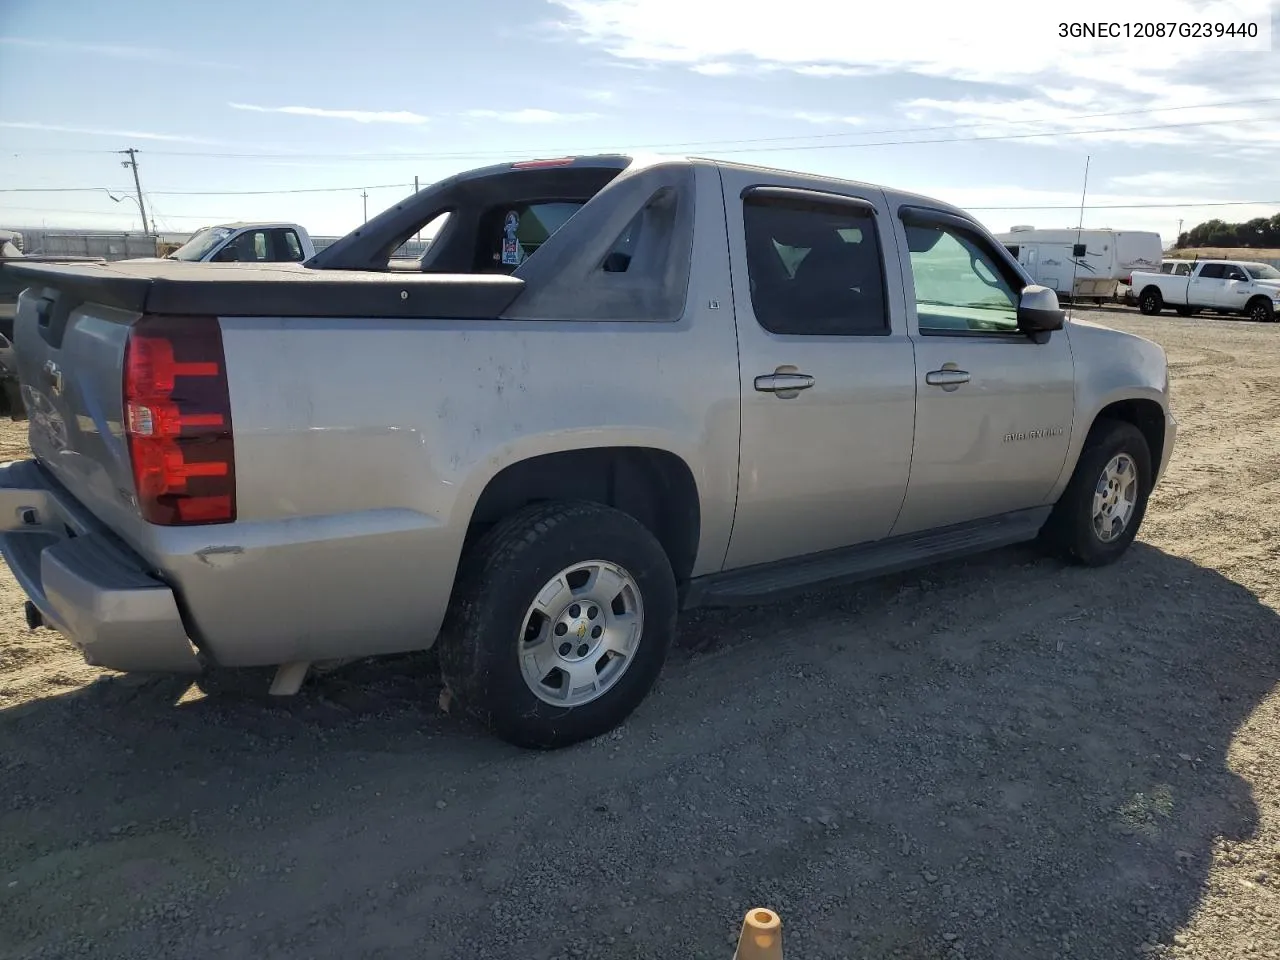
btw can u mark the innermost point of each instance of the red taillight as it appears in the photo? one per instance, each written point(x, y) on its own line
point(178, 421)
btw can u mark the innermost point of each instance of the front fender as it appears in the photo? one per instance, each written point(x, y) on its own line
point(1112, 368)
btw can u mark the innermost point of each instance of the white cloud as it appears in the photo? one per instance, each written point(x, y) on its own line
point(974, 41)
point(1079, 97)
point(826, 119)
point(115, 134)
point(1169, 181)
point(715, 69)
point(830, 70)
point(1146, 121)
point(599, 96)
point(529, 115)
point(359, 116)
point(115, 51)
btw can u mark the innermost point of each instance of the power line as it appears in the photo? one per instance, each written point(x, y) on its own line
point(823, 146)
point(1007, 136)
point(1140, 206)
point(55, 190)
point(210, 193)
point(110, 213)
point(251, 193)
point(1043, 206)
point(458, 155)
point(753, 145)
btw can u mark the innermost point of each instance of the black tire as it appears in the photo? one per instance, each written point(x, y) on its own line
point(498, 578)
point(1151, 302)
point(1260, 310)
point(1069, 530)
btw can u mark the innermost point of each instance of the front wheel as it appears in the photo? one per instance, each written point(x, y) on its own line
point(1261, 311)
point(1098, 515)
point(559, 624)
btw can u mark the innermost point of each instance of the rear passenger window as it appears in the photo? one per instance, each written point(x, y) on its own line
point(814, 269)
point(1213, 271)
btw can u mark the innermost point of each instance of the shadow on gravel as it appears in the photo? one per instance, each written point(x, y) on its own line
point(1000, 758)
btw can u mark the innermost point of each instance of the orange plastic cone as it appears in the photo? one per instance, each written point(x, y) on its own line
point(761, 937)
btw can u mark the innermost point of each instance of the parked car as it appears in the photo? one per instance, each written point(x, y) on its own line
point(1227, 286)
point(1179, 268)
point(245, 243)
point(614, 389)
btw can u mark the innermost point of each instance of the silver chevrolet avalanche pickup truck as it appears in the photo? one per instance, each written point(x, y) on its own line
point(612, 388)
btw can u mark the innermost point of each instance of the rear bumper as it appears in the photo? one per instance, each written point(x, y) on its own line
point(85, 584)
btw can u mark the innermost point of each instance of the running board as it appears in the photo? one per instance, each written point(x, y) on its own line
point(770, 581)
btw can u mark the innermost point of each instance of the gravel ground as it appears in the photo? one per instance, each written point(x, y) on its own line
point(999, 758)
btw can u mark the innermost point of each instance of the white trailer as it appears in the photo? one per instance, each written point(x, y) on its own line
point(1083, 264)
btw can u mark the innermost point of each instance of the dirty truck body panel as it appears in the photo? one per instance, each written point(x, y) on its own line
point(374, 414)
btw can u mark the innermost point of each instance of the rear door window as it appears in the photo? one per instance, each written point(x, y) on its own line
point(814, 269)
point(1212, 271)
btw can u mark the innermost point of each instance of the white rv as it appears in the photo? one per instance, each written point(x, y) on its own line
point(1083, 264)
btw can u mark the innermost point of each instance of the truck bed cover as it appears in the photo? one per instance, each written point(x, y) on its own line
point(288, 290)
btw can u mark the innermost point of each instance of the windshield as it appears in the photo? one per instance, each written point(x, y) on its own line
point(201, 243)
point(1262, 271)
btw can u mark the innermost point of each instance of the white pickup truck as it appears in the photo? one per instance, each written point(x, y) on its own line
point(612, 388)
point(1226, 286)
point(247, 243)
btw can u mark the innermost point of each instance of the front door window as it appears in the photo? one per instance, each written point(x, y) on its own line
point(958, 287)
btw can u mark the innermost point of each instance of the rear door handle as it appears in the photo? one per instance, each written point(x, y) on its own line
point(947, 377)
point(784, 384)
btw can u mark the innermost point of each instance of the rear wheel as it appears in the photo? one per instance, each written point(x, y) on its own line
point(1098, 515)
point(560, 623)
point(1151, 302)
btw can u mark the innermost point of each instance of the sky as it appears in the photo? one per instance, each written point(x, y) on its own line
point(293, 111)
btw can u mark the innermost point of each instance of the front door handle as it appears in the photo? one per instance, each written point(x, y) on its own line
point(948, 378)
point(785, 385)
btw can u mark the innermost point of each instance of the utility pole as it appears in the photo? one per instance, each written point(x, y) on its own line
point(133, 162)
point(364, 195)
point(1178, 236)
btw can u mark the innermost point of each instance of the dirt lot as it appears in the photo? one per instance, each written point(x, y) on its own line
point(1002, 758)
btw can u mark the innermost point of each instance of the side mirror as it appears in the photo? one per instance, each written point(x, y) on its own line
point(1038, 310)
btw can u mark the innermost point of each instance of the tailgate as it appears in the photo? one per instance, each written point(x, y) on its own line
point(69, 349)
